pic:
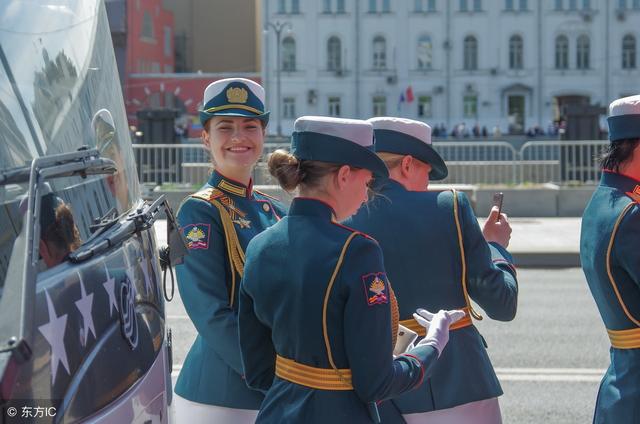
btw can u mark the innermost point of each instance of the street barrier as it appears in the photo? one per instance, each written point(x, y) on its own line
point(469, 162)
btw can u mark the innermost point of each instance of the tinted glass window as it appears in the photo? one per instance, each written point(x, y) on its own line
point(60, 91)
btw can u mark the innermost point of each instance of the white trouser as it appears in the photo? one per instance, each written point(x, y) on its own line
point(480, 412)
point(187, 412)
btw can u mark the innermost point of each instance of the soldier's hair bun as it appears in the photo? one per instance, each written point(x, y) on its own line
point(286, 169)
point(292, 172)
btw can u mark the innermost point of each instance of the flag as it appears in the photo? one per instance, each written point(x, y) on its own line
point(409, 94)
point(400, 101)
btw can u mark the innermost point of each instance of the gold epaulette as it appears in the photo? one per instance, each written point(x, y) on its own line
point(207, 194)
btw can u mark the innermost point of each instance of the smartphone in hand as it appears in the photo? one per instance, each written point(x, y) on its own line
point(405, 340)
point(497, 201)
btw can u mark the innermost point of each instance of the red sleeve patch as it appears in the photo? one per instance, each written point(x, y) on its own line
point(197, 235)
point(376, 288)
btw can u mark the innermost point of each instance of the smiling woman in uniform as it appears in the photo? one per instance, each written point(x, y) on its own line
point(218, 222)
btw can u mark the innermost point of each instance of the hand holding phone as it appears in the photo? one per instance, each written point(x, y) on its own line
point(405, 340)
point(497, 201)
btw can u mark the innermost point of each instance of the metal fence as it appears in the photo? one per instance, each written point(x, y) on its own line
point(469, 162)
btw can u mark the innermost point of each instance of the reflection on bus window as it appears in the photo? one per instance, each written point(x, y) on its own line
point(59, 234)
point(108, 144)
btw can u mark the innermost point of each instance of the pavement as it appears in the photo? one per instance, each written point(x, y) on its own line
point(545, 242)
point(535, 242)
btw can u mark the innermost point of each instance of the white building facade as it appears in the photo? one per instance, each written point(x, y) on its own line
point(506, 63)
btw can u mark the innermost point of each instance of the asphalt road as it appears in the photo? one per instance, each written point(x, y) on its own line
point(549, 359)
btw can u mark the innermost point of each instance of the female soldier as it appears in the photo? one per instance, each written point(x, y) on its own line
point(316, 307)
point(442, 262)
point(218, 221)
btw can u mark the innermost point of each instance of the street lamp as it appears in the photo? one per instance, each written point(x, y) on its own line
point(277, 28)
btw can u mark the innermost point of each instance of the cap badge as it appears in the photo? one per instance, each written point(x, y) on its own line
point(237, 95)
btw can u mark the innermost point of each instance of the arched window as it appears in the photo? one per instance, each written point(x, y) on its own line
point(379, 52)
point(470, 53)
point(515, 52)
point(334, 54)
point(582, 56)
point(425, 52)
point(562, 52)
point(629, 52)
point(289, 54)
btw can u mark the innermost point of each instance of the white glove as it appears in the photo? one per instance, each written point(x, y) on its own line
point(437, 326)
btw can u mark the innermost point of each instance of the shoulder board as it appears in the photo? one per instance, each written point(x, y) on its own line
point(354, 231)
point(266, 195)
point(208, 194)
point(635, 194)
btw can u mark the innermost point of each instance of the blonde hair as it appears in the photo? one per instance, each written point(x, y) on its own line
point(292, 172)
point(392, 160)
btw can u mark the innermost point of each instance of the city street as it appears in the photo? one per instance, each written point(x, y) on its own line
point(549, 359)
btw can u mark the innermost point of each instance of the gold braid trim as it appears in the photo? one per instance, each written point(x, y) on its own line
point(395, 316)
point(609, 273)
point(325, 331)
point(463, 260)
point(234, 250)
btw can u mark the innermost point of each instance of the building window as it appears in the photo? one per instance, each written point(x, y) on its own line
point(386, 6)
point(515, 52)
point(295, 6)
point(379, 53)
point(431, 5)
point(562, 52)
point(147, 25)
point(477, 5)
point(559, 5)
point(327, 6)
point(282, 8)
point(334, 54)
point(379, 106)
point(425, 107)
point(464, 6)
point(508, 5)
point(425, 52)
point(340, 8)
point(573, 4)
point(629, 52)
point(636, 4)
point(622, 4)
point(582, 57)
point(167, 42)
point(373, 6)
point(289, 108)
point(586, 4)
point(288, 54)
point(470, 53)
point(418, 6)
point(523, 5)
point(334, 106)
point(470, 106)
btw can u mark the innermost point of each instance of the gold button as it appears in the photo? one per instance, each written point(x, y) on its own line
point(265, 207)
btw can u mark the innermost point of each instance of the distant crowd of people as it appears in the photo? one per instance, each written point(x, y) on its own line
point(462, 130)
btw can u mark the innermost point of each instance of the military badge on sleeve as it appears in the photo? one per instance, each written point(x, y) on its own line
point(197, 235)
point(376, 288)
